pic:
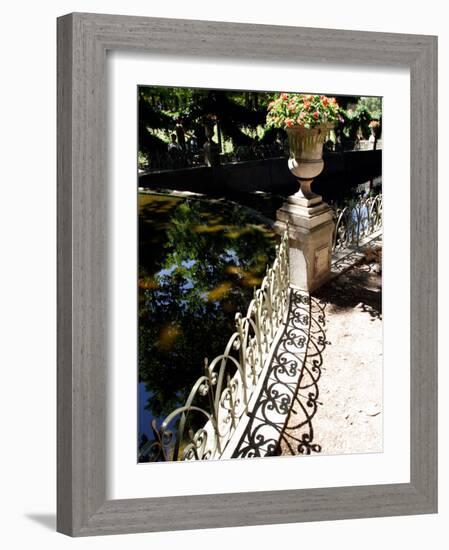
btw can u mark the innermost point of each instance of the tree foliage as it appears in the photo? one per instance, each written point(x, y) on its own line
point(191, 288)
point(234, 112)
point(238, 115)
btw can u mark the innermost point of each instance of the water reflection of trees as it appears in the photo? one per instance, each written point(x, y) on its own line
point(190, 289)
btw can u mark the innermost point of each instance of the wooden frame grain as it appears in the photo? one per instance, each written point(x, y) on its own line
point(83, 40)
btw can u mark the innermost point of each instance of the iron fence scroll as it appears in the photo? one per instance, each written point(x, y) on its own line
point(204, 425)
point(355, 222)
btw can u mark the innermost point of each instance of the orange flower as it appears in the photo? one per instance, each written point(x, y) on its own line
point(316, 115)
point(284, 96)
point(306, 105)
point(289, 122)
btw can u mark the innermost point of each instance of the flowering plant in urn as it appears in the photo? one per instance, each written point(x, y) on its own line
point(307, 119)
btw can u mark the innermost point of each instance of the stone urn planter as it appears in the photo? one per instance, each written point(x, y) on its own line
point(306, 159)
point(307, 120)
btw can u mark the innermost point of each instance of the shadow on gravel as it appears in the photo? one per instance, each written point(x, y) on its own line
point(360, 287)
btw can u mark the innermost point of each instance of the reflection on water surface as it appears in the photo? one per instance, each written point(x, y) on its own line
point(199, 261)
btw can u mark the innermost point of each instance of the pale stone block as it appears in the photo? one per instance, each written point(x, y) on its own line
point(310, 243)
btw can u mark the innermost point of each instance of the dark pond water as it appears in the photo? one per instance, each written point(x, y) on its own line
point(199, 261)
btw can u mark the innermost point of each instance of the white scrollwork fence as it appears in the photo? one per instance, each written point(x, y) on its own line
point(356, 222)
point(204, 425)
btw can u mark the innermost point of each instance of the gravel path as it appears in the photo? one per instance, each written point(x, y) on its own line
point(349, 414)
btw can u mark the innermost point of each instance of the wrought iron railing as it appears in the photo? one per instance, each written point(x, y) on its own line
point(204, 425)
point(356, 222)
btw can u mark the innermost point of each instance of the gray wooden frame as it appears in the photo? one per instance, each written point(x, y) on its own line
point(83, 40)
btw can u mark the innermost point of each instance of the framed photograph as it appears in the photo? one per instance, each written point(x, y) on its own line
point(247, 274)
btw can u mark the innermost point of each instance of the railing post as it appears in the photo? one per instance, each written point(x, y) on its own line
point(310, 241)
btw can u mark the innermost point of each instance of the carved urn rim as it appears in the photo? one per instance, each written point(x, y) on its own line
point(318, 129)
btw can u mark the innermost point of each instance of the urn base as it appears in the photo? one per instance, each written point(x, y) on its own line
point(310, 242)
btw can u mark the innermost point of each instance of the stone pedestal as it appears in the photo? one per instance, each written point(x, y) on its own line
point(311, 227)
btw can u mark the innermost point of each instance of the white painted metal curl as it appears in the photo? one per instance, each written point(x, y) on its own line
point(356, 222)
point(230, 378)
